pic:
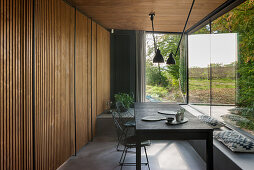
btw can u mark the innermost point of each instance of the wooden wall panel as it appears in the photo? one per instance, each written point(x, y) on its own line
point(82, 71)
point(103, 68)
point(16, 85)
point(54, 82)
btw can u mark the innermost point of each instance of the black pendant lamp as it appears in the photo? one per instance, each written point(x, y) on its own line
point(171, 59)
point(158, 58)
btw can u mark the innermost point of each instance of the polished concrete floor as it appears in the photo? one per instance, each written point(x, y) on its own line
point(166, 155)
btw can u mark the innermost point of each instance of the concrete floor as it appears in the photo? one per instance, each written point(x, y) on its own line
point(166, 155)
point(101, 154)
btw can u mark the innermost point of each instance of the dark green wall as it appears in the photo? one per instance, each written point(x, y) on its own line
point(123, 62)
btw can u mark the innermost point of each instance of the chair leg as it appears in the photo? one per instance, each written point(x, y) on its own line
point(147, 158)
point(118, 143)
point(122, 155)
point(124, 158)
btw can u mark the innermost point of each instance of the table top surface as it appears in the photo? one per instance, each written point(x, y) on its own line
point(151, 109)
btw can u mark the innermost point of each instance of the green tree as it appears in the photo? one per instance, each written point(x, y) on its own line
point(174, 74)
point(154, 77)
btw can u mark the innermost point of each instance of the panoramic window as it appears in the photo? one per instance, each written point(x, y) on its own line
point(166, 83)
point(221, 68)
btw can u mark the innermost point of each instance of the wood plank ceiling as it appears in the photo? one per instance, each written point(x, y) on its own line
point(133, 14)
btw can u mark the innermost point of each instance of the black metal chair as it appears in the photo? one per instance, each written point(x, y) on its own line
point(126, 118)
point(128, 140)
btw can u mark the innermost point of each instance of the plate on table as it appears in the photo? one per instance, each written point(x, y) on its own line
point(174, 122)
point(167, 112)
point(153, 118)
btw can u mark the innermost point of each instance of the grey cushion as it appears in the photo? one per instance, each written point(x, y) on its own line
point(214, 123)
point(235, 141)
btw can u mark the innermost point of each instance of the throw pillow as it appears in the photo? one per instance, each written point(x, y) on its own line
point(214, 123)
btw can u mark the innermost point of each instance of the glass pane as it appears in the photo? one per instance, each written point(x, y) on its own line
point(199, 45)
point(166, 83)
point(223, 73)
point(233, 67)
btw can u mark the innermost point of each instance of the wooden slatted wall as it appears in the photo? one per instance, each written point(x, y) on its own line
point(16, 84)
point(56, 48)
point(54, 83)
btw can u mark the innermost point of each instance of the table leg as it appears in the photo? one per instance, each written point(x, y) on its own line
point(138, 154)
point(209, 151)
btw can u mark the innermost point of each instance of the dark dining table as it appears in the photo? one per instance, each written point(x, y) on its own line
point(194, 129)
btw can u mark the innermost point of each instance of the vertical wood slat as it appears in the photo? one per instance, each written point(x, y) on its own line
point(58, 87)
point(71, 81)
point(89, 79)
point(2, 85)
point(7, 83)
point(19, 89)
point(13, 87)
point(94, 76)
point(51, 148)
point(4, 82)
point(10, 84)
point(53, 63)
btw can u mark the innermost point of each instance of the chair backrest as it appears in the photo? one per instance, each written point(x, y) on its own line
point(120, 129)
point(120, 107)
point(123, 132)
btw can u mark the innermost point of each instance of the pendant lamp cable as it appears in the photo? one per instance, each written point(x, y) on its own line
point(152, 17)
point(185, 26)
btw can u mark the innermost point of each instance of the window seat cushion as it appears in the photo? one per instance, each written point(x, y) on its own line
point(235, 141)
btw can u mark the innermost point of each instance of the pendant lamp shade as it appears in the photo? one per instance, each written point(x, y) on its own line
point(171, 59)
point(158, 57)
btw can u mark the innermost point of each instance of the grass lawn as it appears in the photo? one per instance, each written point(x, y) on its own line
point(223, 91)
point(204, 84)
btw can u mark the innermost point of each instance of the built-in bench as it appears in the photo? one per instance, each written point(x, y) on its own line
point(224, 158)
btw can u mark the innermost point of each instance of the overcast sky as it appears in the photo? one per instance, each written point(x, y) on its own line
point(219, 48)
